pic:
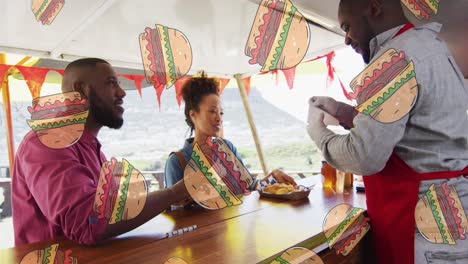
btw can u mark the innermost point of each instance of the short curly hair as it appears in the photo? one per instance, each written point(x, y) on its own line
point(193, 93)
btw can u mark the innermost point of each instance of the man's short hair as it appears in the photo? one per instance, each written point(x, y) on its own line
point(84, 63)
point(361, 2)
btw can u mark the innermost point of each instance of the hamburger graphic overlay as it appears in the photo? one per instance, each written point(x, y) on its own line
point(58, 120)
point(45, 11)
point(387, 89)
point(422, 9)
point(279, 37)
point(228, 167)
point(175, 260)
point(298, 255)
point(204, 184)
point(121, 192)
point(440, 216)
point(344, 227)
point(166, 55)
point(50, 255)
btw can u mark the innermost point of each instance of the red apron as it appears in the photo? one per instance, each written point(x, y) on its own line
point(392, 195)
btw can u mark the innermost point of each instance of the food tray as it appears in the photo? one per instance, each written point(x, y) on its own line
point(296, 195)
point(287, 196)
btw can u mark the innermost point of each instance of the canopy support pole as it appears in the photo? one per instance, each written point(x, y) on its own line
point(7, 109)
point(253, 129)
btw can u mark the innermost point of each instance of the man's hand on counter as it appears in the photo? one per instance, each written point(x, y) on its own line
point(156, 203)
point(281, 177)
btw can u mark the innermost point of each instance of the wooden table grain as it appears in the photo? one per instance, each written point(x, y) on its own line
point(255, 231)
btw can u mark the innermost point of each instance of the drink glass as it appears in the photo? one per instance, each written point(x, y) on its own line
point(340, 181)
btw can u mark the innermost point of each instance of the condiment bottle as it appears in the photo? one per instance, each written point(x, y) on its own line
point(329, 175)
point(349, 180)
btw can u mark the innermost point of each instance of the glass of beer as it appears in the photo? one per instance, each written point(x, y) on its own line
point(329, 175)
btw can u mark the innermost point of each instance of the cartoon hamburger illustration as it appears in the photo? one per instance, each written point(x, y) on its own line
point(440, 216)
point(229, 168)
point(121, 192)
point(279, 37)
point(45, 11)
point(175, 260)
point(387, 89)
point(422, 9)
point(204, 184)
point(298, 255)
point(166, 55)
point(344, 227)
point(50, 254)
point(58, 120)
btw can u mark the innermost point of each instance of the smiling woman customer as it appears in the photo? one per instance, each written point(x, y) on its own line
point(204, 116)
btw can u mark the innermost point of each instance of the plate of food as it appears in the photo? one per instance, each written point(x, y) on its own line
point(284, 191)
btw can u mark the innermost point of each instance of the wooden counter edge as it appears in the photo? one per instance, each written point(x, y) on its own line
point(362, 253)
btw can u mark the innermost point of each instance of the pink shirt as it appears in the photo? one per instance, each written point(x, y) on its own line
point(53, 191)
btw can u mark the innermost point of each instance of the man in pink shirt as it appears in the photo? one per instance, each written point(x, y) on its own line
point(54, 189)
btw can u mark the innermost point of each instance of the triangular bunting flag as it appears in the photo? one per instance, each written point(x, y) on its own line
point(61, 72)
point(34, 78)
point(331, 70)
point(246, 82)
point(274, 73)
point(159, 88)
point(137, 79)
point(346, 94)
point(223, 82)
point(179, 85)
point(290, 74)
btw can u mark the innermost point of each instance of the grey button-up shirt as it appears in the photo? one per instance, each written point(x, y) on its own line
point(433, 136)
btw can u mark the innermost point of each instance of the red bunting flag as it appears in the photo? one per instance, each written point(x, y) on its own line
point(246, 82)
point(137, 79)
point(179, 85)
point(343, 89)
point(274, 73)
point(331, 69)
point(332, 72)
point(223, 82)
point(159, 88)
point(3, 70)
point(61, 72)
point(34, 77)
point(290, 74)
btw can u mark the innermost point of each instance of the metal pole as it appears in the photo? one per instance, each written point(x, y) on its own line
point(253, 129)
point(7, 108)
point(5, 87)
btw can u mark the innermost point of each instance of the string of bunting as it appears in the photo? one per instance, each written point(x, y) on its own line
point(290, 74)
point(35, 77)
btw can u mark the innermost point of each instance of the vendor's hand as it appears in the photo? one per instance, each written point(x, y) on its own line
point(315, 117)
point(325, 103)
point(344, 113)
point(281, 177)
